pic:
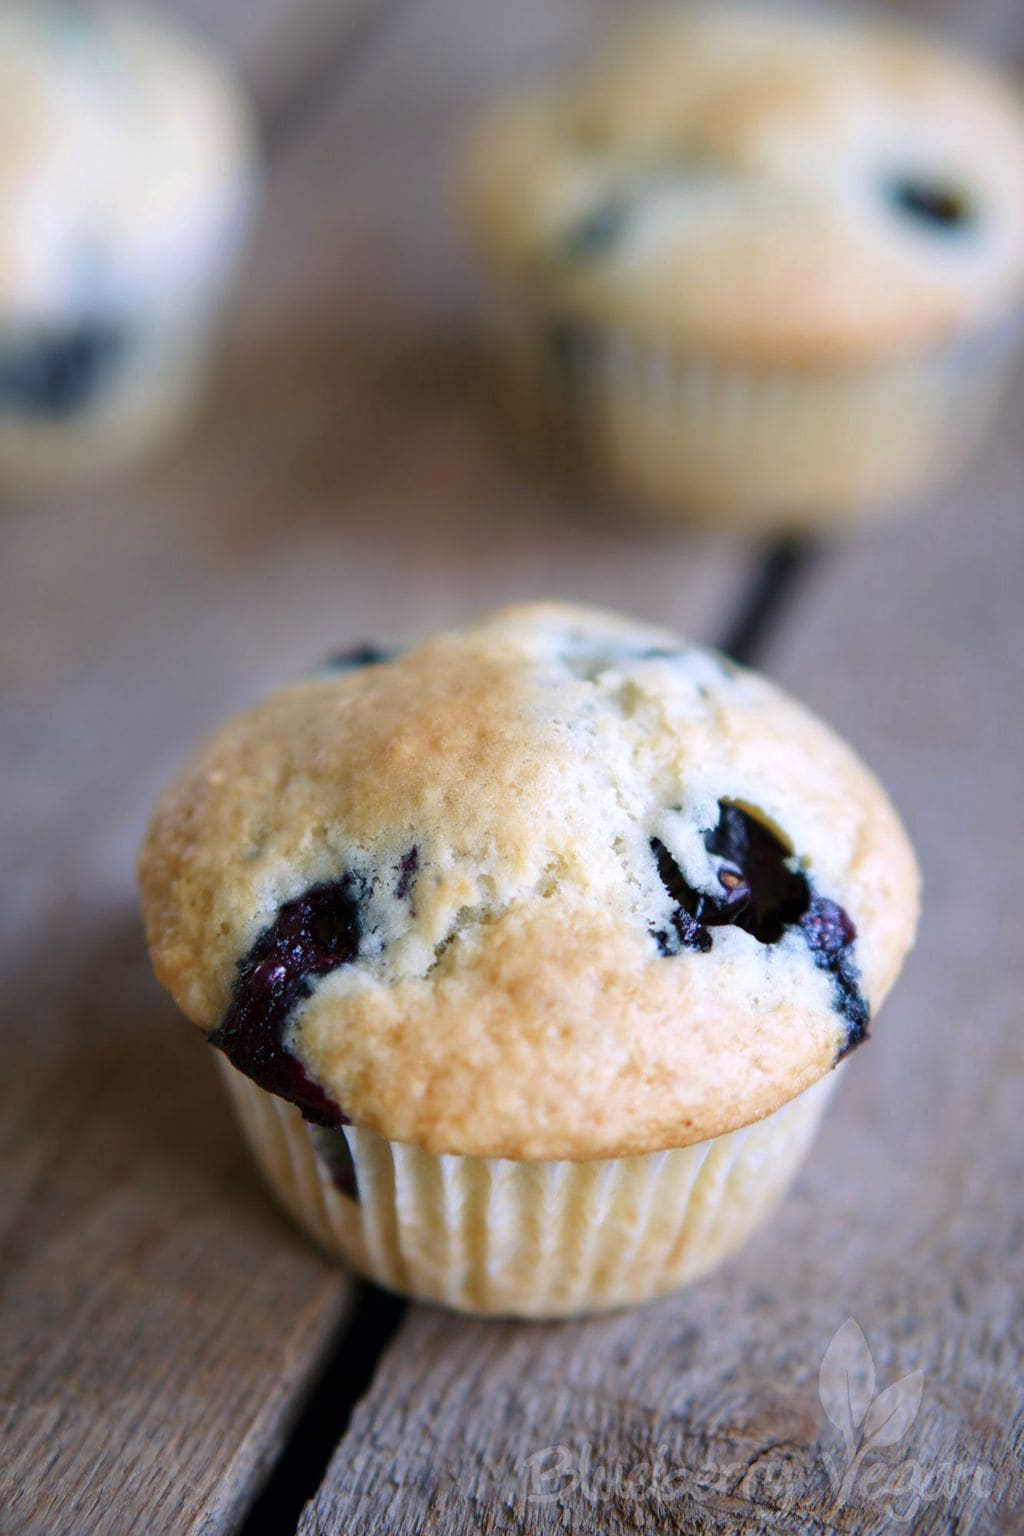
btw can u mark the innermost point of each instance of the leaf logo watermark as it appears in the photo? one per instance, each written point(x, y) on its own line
point(774, 1484)
point(867, 1422)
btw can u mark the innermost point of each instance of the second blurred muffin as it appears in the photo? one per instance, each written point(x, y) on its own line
point(127, 186)
point(758, 267)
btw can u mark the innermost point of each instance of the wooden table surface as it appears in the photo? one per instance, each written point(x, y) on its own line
point(174, 1357)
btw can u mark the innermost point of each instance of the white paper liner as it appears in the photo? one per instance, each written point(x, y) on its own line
point(542, 1239)
point(751, 448)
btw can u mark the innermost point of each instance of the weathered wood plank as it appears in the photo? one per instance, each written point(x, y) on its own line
point(158, 1320)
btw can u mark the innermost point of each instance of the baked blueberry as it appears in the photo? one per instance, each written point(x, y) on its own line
point(830, 935)
point(407, 871)
point(62, 372)
point(365, 655)
point(937, 205)
point(311, 936)
point(763, 892)
point(687, 930)
point(764, 895)
point(598, 231)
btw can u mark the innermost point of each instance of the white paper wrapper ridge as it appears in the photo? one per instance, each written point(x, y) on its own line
point(750, 448)
point(542, 1239)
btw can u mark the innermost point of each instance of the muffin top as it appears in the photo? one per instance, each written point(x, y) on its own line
point(126, 166)
point(771, 186)
point(555, 885)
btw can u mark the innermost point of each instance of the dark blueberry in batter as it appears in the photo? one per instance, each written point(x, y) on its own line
point(598, 231)
point(686, 932)
point(761, 893)
point(588, 661)
point(936, 205)
point(407, 871)
point(60, 373)
point(310, 937)
point(758, 893)
point(830, 936)
point(359, 656)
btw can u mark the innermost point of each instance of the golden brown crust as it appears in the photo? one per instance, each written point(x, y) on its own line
point(517, 1005)
point(757, 155)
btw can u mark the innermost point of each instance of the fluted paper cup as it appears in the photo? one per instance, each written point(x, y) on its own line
point(529, 1239)
point(751, 448)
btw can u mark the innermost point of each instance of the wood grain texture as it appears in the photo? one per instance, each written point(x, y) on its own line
point(159, 1322)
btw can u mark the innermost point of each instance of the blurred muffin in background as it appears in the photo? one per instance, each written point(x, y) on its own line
point(128, 176)
point(761, 267)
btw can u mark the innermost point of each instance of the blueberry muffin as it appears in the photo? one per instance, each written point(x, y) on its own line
point(758, 266)
point(127, 185)
point(528, 953)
